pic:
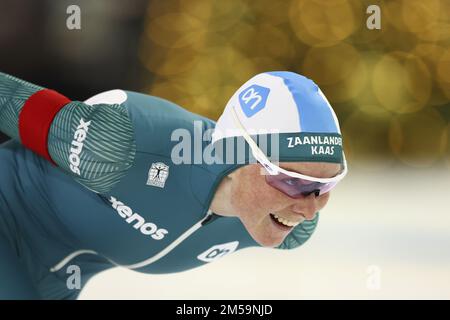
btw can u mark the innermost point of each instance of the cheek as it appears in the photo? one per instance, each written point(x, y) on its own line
point(252, 196)
point(323, 201)
point(253, 200)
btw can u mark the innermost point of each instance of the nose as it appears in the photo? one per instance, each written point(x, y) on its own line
point(306, 206)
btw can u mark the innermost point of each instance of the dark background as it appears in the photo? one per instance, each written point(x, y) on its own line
point(36, 46)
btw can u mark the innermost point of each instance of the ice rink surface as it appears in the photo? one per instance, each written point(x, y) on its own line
point(385, 234)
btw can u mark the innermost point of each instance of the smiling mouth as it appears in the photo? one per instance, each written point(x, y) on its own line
point(283, 223)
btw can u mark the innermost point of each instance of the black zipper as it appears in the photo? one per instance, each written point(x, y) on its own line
point(210, 219)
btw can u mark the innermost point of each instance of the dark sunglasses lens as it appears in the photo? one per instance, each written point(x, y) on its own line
point(296, 187)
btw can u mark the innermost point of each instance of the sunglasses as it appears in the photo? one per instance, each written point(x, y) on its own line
point(292, 184)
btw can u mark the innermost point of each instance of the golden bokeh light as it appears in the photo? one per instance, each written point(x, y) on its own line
point(202, 10)
point(428, 20)
point(366, 135)
point(234, 65)
point(331, 65)
point(159, 61)
point(392, 13)
point(213, 101)
point(324, 23)
point(272, 12)
point(158, 8)
point(367, 38)
point(187, 31)
point(207, 74)
point(418, 139)
point(172, 92)
point(226, 14)
point(438, 31)
point(420, 15)
point(430, 53)
point(401, 82)
point(338, 70)
point(262, 35)
point(390, 88)
point(443, 72)
point(374, 110)
point(264, 63)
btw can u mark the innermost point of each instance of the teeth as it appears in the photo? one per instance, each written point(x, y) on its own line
point(286, 222)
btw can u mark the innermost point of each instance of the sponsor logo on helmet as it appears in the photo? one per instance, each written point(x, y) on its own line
point(319, 145)
point(253, 99)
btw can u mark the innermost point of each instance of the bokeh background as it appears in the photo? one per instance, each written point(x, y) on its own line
point(390, 89)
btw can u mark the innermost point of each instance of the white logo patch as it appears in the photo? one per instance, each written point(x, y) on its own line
point(158, 174)
point(218, 251)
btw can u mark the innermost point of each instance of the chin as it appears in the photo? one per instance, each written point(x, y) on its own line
point(267, 241)
point(264, 233)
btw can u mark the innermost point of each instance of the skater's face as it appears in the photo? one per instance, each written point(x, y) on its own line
point(268, 214)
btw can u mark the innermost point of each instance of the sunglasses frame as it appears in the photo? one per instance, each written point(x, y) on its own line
point(273, 169)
